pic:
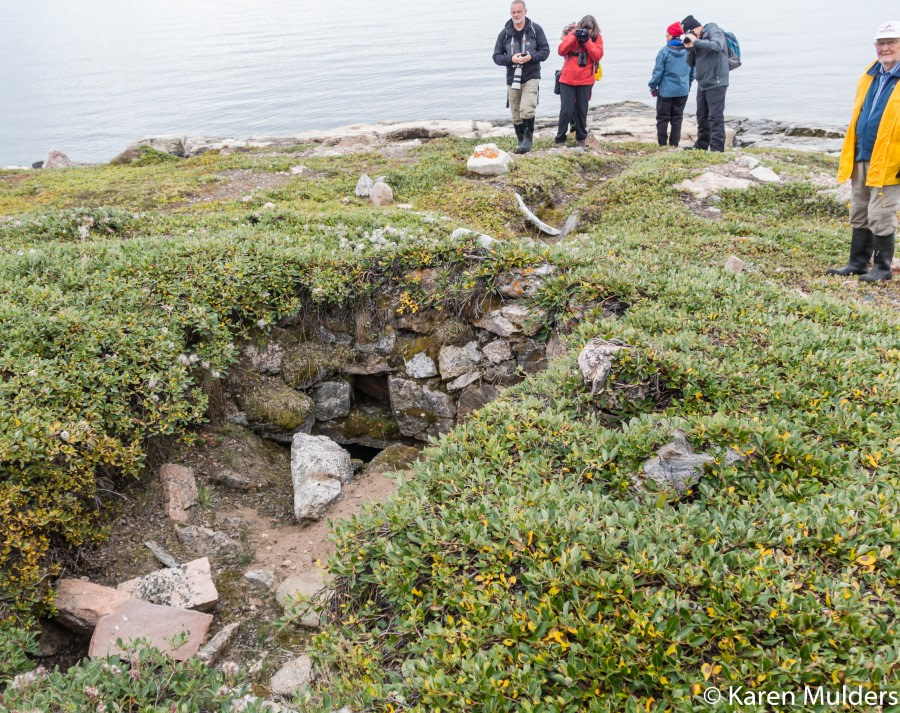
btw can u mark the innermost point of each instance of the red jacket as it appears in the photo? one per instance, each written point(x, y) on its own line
point(572, 74)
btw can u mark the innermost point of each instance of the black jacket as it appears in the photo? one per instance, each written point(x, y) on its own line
point(709, 57)
point(535, 43)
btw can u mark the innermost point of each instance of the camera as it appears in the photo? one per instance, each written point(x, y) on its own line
point(582, 34)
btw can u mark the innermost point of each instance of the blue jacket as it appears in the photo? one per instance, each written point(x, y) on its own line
point(871, 113)
point(672, 76)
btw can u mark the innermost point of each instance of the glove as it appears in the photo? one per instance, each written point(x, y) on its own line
point(654, 93)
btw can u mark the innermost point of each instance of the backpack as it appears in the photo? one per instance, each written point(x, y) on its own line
point(734, 51)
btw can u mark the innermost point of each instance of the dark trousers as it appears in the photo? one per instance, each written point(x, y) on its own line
point(711, 119)
point(573, 105)
point(669, 110)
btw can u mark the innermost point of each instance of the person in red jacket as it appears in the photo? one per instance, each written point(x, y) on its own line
point(582, 47)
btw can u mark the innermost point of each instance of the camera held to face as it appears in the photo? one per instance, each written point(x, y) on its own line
point(582, 34)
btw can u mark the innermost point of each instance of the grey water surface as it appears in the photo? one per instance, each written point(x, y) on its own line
point(90, 77)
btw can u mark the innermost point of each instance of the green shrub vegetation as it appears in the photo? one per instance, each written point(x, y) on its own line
point(519, 568)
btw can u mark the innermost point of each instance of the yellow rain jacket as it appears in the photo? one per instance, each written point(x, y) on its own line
point(884, 166)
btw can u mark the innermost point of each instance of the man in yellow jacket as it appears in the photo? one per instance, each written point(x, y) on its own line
point(871, 159)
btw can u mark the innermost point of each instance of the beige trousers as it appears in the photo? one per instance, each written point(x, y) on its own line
point(872, 208)
point(523, 102)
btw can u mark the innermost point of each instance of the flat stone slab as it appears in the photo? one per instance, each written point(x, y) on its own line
point(134, 619)
point(188, 586)
point(82, 604)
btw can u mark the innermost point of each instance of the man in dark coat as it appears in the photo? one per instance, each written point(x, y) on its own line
point(521, 47)
point(707, 49)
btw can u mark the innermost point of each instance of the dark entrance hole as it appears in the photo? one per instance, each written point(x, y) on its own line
point(363, 453)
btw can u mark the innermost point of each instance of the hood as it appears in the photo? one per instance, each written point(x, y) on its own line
point(675, 44)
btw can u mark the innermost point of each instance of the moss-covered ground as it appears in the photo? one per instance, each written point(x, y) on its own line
point(518, 568)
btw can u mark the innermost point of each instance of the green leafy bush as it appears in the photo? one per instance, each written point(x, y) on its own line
point(142, 680)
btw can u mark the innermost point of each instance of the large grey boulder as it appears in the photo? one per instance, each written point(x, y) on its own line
point(419, 410)
point(381, 194)
point(80, 605)
point(676, 465)
point(364, 186)
point(319, 454)
point(134, 619)
point(318, 467)
point(188, 586)
point(57, 159)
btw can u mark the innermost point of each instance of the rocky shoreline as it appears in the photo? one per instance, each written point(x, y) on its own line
point(622, 121)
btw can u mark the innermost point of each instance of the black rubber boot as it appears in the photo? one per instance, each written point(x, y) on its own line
point(884, 255)
point(520, 134)
point(860, 252)
point(525, 144)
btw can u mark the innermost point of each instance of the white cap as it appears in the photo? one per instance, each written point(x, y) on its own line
point(889, 31)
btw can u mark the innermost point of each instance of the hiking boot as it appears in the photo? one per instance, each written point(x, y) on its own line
point(860, 252)
point(884, 255)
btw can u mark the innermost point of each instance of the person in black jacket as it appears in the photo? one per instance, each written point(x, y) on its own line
point(707, 49)
point(521, 47)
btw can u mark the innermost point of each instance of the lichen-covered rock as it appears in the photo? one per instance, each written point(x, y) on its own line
point(366, 425)
point(488, 160)
point(332, 399)
point(596, 361)
point(676, 465)
point(497, 351)
point(307, 363)
point(272, 407)
point(421, 366)
point(394, 458)
point(456, 361)
point(419, 410)
point(188, 586)
point(523, 282)
point(207, 543)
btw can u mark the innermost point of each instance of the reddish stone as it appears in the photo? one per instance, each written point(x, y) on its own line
point(82, 604)
point(179, 491)
point(135, 619)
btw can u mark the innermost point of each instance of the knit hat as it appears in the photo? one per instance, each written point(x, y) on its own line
point(674, 29)
point(889, 31)
point(689, 23)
